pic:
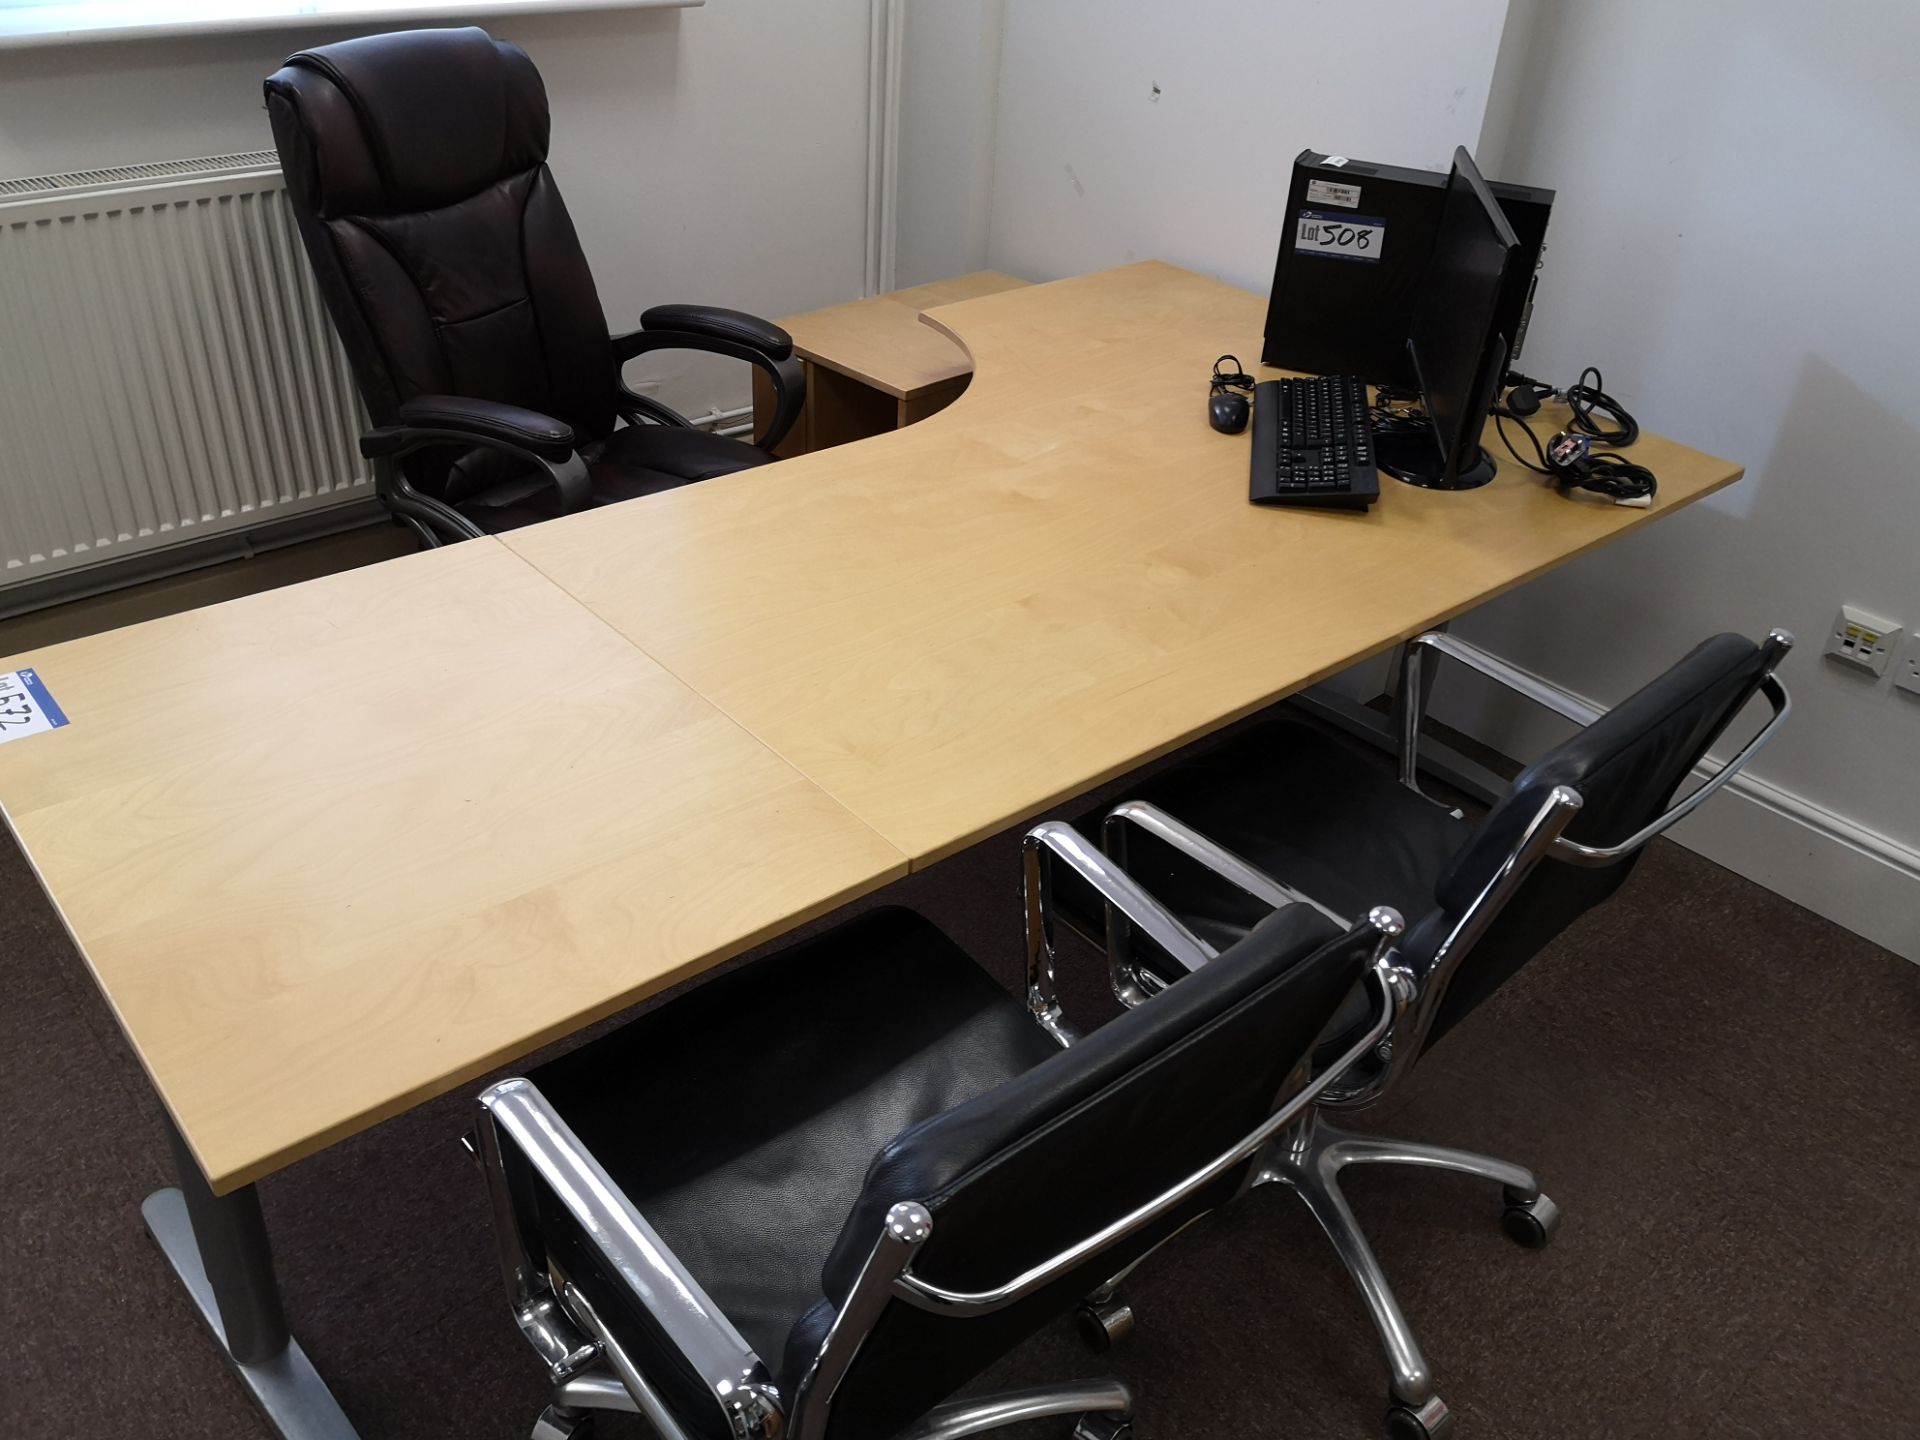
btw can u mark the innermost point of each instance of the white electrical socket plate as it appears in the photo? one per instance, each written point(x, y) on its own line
point(1906, 670)
point(1863, 641)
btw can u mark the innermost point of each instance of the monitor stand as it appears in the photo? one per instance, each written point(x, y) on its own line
point(1412, 456)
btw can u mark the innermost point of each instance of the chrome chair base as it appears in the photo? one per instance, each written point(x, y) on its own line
point(558, 1424)
point(570, 1416)
point(1104, 1409)
point(1104, 1321)
point(1310, 1157)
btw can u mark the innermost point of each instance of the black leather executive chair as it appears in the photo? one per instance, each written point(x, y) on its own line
point(813, 1197)
point(1292, 813)
point(417, 167)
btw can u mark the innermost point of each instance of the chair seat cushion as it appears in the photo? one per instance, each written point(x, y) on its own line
point(1311, 807)
point(633, 461)
point(741, 1117)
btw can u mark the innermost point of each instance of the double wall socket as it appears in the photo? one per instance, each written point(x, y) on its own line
point(1862, 641)
point(1906, 668)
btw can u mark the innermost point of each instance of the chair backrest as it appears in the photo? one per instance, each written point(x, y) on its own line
point(1028, 1170)
point(416, 163)
point(1626, 767)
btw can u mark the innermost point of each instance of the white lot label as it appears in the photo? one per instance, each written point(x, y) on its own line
point(1340, 237)
point(25, 706)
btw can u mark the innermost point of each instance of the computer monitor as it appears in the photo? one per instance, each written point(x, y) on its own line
point(1458, 353)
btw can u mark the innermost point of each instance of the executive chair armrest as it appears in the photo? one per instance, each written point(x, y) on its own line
point(716, 323)
point(1411, 706)
point(718, 332)
point(543, 435)
point(740, 1385)
point(1056, 841)
point(433, 421)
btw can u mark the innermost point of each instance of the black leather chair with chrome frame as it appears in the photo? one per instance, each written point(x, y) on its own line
point(1291, 813)
point(802, 1198)
point(416, 164)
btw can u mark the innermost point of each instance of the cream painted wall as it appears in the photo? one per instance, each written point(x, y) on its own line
point(1091, 169)
point(714, 155)
point(1732, 244)
point(949, 81)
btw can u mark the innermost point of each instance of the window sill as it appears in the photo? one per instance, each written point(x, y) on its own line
point(73, 24)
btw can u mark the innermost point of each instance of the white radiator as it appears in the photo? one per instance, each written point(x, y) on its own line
point(167, 371)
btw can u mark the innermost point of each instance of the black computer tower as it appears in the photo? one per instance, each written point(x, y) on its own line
point(1351, 261)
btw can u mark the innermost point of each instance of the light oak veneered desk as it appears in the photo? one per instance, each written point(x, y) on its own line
point(336, 848)
point(1058, 577)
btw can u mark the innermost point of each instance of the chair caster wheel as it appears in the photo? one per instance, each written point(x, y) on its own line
point(556, 1424)
point(1530, 1222)
point(1104, 1323)
point(1103, 1427)
point(1427, 1422)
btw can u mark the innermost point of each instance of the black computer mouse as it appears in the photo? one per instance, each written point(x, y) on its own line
point(1227, 411)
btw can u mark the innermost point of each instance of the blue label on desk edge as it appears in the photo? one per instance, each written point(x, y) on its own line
point(27, 707)
point(43, 697)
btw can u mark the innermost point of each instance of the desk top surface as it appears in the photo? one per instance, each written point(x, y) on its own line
point(958, 624)
point(336, 848)
point(881, 342)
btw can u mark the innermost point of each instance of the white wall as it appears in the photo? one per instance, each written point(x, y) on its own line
point(949, 81)
point(1733, 243)
point(1090, 170)
point(713, 155)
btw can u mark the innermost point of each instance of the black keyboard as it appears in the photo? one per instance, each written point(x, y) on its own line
point(1313, 444)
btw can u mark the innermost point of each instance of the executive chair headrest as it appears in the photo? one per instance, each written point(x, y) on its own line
point(413, 120)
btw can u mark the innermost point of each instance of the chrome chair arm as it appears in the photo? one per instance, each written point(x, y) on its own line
point(515, 1112)
point(1203, 851)
point(1395, 989)
point(1130, 979)
point(1412, 707)
point(1055, 841)
point(1410, 704)
point(1578, 854)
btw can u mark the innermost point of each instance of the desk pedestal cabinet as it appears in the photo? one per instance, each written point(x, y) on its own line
point(874, 366)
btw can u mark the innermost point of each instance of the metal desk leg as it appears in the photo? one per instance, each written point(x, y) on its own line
point(217, 1245)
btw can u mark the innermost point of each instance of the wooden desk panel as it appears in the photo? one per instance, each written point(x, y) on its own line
point(336, 848)
point(881, 342)
point(1056, 578)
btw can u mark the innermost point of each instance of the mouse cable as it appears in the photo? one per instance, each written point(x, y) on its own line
point(1234, 379)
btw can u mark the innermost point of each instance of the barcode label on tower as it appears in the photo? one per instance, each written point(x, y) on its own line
point(1332, 192)
point(1340, 237)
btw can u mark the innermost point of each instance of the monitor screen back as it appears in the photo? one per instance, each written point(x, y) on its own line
point(1453, 326)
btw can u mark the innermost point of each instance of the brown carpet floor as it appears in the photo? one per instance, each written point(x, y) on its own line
point(1718, 1087)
